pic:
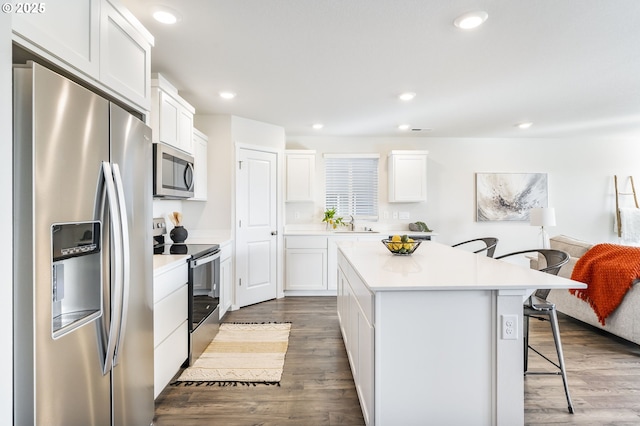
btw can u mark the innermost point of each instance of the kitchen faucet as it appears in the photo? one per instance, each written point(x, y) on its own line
point(352, 224)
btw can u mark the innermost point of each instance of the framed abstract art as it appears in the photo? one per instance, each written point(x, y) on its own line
point(509, 196)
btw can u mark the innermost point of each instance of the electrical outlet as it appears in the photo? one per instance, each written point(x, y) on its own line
point(404, 215)
point(395, 215)
point(297, 215)
point(509, 327)
point(385, 215)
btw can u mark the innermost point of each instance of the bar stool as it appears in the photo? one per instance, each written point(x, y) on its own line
point(538, 307)
point(489, 242)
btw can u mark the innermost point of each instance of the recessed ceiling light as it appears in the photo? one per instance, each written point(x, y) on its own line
point(404, 127)
point(407, 96)
point(165, 15)
point(525, 125)
point(471, 20)
point(227, 95)
point(318, 126)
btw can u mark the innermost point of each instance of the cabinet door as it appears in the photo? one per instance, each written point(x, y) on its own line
point(306, 269)
point(343, 305)
point(68, 30)
point(185, 130)
point(169, 356)
point(355, 317)
point(300, 176)
point(200, 166)
point(366, 367)
point(169, 108)
point(407, 178)
point(226, 286)
point(125, 57)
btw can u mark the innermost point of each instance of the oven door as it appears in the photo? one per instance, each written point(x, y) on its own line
point(204, 298)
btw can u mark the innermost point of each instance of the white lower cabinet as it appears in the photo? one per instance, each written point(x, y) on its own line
point(226, 279)
point(306, 263)
point(355, 312)
point(170, 328)
point(311, 262)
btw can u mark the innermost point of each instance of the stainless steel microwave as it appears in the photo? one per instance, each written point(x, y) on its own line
point(172, 173)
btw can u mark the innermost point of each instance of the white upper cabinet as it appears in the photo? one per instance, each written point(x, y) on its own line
point(68, 30)
point(301, 174)
point(171, 116)
point(200, 149)
point(407, 176)
point(100, 41)
point(125, 57)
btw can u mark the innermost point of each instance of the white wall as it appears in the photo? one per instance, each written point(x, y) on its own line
point(224, 132)
point(580, 176)
point(6, 305)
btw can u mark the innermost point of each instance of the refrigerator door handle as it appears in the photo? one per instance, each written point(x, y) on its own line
point(126, 261)
point(107, 194)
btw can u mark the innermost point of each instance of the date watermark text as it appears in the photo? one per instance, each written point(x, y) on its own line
point(26, 8)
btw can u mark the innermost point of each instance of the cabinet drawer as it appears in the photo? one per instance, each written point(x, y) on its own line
point(168, 358)
point(169, 313)
point(169, 281)
point(305, 242)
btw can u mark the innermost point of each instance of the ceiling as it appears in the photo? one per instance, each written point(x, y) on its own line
point(571, 67)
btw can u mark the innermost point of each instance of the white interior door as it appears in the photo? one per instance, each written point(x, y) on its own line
point(256, 238)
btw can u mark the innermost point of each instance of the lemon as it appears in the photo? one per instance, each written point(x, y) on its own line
point(396, 238)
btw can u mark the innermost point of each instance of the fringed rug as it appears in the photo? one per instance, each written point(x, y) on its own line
point(241, 354)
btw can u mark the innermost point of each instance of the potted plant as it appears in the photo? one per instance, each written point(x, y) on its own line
point(331, 220)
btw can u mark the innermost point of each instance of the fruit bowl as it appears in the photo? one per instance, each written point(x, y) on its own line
point(403, 248)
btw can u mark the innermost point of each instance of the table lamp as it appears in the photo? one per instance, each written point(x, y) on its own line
point(543, 216)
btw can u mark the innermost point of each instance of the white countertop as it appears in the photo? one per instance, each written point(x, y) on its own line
point(164, 262)
point(434, 266)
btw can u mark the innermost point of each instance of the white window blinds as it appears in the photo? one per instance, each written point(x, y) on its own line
point(351, 184)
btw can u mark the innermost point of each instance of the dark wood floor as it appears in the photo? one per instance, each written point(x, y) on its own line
point(317, 387)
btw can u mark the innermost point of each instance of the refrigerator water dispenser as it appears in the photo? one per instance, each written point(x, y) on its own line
point(76, 276)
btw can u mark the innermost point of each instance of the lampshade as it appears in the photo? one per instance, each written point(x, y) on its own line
point(543, 216)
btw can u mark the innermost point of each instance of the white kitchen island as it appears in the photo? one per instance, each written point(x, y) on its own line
point(424, 333)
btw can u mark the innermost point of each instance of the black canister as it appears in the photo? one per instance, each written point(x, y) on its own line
point(178, 234)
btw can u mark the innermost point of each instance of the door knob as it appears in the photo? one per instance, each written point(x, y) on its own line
point(274, 232)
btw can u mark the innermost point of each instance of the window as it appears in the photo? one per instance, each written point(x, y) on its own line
point(351, 184)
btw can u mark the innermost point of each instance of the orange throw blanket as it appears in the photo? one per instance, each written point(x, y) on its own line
point(609, 270)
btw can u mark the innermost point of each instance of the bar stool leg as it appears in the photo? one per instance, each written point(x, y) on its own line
point(525, 339)
point(553, 319)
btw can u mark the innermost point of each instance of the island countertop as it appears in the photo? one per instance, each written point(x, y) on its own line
point(435, 266)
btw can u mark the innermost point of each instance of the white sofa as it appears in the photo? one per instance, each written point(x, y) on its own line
point(623, 322)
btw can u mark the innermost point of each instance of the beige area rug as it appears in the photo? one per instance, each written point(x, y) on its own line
point(241, 354)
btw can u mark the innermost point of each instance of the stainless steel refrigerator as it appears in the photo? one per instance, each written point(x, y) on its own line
point(83, 319)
